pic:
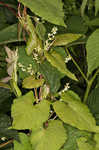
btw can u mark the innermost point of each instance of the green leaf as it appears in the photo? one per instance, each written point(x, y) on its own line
point(40, 30)
point(92, 47)
point(96, 138)
point(28, 116)
point(73, 134)
point(93, 103)
point(57, 61)
point(23, 144)
point(30, 82)
point(5, 100)
point(83, 6)
point(83, 144)
point(11, 34)
point(72, 111)
point(64, 39)
point(50, 138)
point(51, 11)
point(96, 7)
point(75, 24)
point(51, 75)
point(26, 61)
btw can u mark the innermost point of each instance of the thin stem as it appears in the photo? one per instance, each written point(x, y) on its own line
point(83, 75)
point(89, 86)
point(6, 143)
point(36, 95)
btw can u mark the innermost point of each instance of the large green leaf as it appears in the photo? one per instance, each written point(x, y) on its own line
point(96, 6)
point(57, 61)
point(51, 11)
point(51, 75)
point(23, 144)
point(28, 116)
point(64, 39)
point(50, 138)
point(96, 138)
point(92, 47)
point(11, 34)
point(72, 111)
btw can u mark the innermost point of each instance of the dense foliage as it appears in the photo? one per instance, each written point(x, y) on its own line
point(49, 75)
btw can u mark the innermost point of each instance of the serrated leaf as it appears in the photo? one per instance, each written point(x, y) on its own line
point(30, 82)
point(23, 144)
point(83, 144)
point(28, 116)
point(51, 75)
point(92, 47)
point(75, 113)
point(64, 39)
point(57, 61)
point(51, 11)
point(50, 138)
point(96, 6)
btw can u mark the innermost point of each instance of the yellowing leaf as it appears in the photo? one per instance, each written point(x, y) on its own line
point(57, 61)
point(64, 39)
point(75, 113)
point(30, 82)
point(50, 138)
point(28, 116)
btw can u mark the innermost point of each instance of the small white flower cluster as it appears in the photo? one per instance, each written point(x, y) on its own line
point(67, 86)
point(26, 69)
point(35, 57)
point(51, 37)
point(67, 59)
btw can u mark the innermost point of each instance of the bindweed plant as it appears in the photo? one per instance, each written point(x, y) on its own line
point(49, 75)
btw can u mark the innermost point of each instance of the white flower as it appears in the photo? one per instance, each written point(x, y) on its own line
point(67, 86)
point(67, 59)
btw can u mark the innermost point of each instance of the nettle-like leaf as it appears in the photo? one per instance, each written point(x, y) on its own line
point(92, 47)
point(51, 75)
point(64, 39)
point(83, 144)
point(72, 111)
point(51, 138)
point(30, 82)
point(23, 144)
point(57, 61)
point(96, 7)
point(40, 30)
point(28, 116)
point(51, 11)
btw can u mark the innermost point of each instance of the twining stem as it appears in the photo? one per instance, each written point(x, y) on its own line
point(83, 75)
point(90, 82)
